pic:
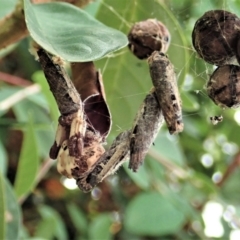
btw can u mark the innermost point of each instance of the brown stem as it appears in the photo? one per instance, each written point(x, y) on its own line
point(14, 80)
point(13, 27)
point(235, 163)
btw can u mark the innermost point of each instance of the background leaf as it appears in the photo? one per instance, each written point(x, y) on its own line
point(151, 214)
point(39, 78)
point(13, 211)
point(141, 178)
point(72, 34)
point(180, 174)
point(100, 227)
point(78, 218)
point(6, 7)
point(28, 164)
point(3, 157)
point(2, 208)
point(51, 225)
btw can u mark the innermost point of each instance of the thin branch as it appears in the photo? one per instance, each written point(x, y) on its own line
point(18, 96)
point(231, 168)
point(173, 168)
point(46, 165)
point(13, 27)
point(14, 80)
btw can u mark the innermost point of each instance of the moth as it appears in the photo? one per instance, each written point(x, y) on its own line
point(165, 83)
point(147, 123)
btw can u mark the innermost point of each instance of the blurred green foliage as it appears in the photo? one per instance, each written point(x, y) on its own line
point(165, 199)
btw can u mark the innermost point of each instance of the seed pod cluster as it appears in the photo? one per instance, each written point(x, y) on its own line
point(147, 36)
point(216, 39)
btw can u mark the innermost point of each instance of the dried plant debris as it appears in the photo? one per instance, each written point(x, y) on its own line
point(77, 144)
point(134, 143)
point(224, 86)
point(107, 164)
point(165, 83)
point(216, 119)
point(89, 85)
point(215, 37)
point(147, 36)
point(83, 127)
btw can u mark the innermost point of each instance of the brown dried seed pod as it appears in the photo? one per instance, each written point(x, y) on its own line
point(147, 36)
point(215, 37)
point(224, 86)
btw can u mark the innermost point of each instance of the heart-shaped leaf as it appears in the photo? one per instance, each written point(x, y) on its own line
point(71, 33)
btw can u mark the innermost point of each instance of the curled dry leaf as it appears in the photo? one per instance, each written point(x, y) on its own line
point(89, 84)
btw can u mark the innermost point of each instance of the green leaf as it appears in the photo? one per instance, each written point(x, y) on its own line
point(78, 218)
point(93, 7)
point(43, 126)
point(13, 213)
point(46, 229)
point(39, 78)
point(3, 160)
point(153, 215)
point(72, 33)
point(6, 7)
point(28, 164)
point(189, 102)
point(168, 147)
point(7, 92)
point(51, 226)
point(141, 178)
point(100, 227)
point(2, 208)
